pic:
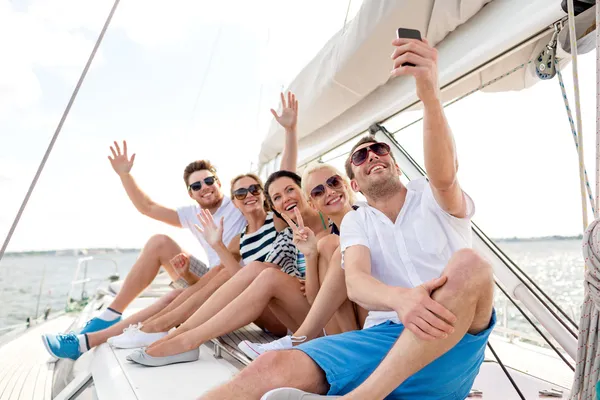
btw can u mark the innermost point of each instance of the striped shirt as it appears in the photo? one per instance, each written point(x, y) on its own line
point(286, 255)
point(257, 245)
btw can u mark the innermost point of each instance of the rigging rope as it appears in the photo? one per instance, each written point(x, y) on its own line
point(508, 375)
point(573, 39)
point(574, 132)
point(588, 350)
point(58, 129)
point(597, 214)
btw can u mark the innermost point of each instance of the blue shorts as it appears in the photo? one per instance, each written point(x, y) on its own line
point(348, 359)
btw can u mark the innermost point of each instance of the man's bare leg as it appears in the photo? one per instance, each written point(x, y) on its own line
point(468, 294)
point(157, 252)
point(274, 369)
point(272, 285)
point(187, 293)
point(97, 338)
point(185, 310)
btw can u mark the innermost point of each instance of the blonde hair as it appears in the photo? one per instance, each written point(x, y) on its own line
point(319, 166)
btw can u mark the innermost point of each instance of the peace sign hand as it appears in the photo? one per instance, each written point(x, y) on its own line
point(289, 112)
point(212, 233)
point(304, 238)
point(120, 163)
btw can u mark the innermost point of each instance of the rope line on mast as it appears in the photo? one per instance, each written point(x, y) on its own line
point(573, 40)
point(58, 129)
point(597, 214)
point(574, 132)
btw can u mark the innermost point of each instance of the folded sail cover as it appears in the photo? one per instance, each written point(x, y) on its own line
point(347, 85)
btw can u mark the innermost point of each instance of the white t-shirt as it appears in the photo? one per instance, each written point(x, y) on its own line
point(232, 225)
point(414, 249)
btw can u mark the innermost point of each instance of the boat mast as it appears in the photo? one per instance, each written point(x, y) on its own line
point(58, 130)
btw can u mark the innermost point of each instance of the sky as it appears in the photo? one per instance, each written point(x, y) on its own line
point(196, 80)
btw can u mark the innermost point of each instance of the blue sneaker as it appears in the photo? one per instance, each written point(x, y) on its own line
point(97, 324)
point(62, 346)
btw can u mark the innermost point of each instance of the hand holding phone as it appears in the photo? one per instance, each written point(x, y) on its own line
point(405, 33)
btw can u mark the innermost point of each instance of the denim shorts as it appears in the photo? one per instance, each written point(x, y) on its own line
point(348, 359)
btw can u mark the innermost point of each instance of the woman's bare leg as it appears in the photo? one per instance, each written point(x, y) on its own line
point(221, 297)
point(185, 310)
point(268, 321)
point(271, 286)
point(187, 293)
point(332, 301)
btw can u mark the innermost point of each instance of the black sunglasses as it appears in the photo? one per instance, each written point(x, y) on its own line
point(360, 156)
point(242, 193)
point(208, 181)
point(334, 182)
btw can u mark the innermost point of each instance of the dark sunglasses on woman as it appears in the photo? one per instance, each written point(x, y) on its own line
point(360, 156)
point(242, 193)
point(208, 181)
point(334, 182)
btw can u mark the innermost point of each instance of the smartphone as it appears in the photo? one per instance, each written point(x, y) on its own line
point(408, 34)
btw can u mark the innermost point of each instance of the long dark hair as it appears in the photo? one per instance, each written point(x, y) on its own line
point(275, 176)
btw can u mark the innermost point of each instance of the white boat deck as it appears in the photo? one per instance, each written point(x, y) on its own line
point(115, 377)
point(25, 373)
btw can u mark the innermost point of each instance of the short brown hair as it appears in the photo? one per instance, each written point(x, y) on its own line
point(198, 165)
point(257, 179)
point(363, 140)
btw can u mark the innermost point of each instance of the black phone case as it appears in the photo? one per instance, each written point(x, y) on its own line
point(409, 34)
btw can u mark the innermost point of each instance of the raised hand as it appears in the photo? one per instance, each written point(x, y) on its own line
point(304, 238)
point(289, 112)
point(425, 71)
point(120, 162)
point(181, 264)
point(422, 315)
point(212, 233)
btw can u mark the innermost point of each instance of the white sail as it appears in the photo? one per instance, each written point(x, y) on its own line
point(346, 87)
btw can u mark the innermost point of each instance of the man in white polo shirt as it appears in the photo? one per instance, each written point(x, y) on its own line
point(408, 260)
point(203, 186)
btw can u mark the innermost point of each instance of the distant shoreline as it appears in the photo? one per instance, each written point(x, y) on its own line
point(72, 252)
point(101, 251)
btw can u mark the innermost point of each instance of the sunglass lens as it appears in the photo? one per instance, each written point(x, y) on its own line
point(241, 194)
point(334, 182)
point(360, 156)
point(317, 191)
point(209, 180)
point(196, 186)
point(381, 149)
point(254, 189)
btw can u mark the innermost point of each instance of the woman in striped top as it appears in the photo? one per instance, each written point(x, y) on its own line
point(250, 247)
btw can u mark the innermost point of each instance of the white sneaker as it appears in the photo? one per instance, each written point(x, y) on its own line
point(253, 350)
point(133, 337)
point(293, 394)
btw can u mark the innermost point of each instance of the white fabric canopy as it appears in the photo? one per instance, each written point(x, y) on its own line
point(346, 87)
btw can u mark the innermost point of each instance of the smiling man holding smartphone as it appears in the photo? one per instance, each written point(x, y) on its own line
point(408, 260)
